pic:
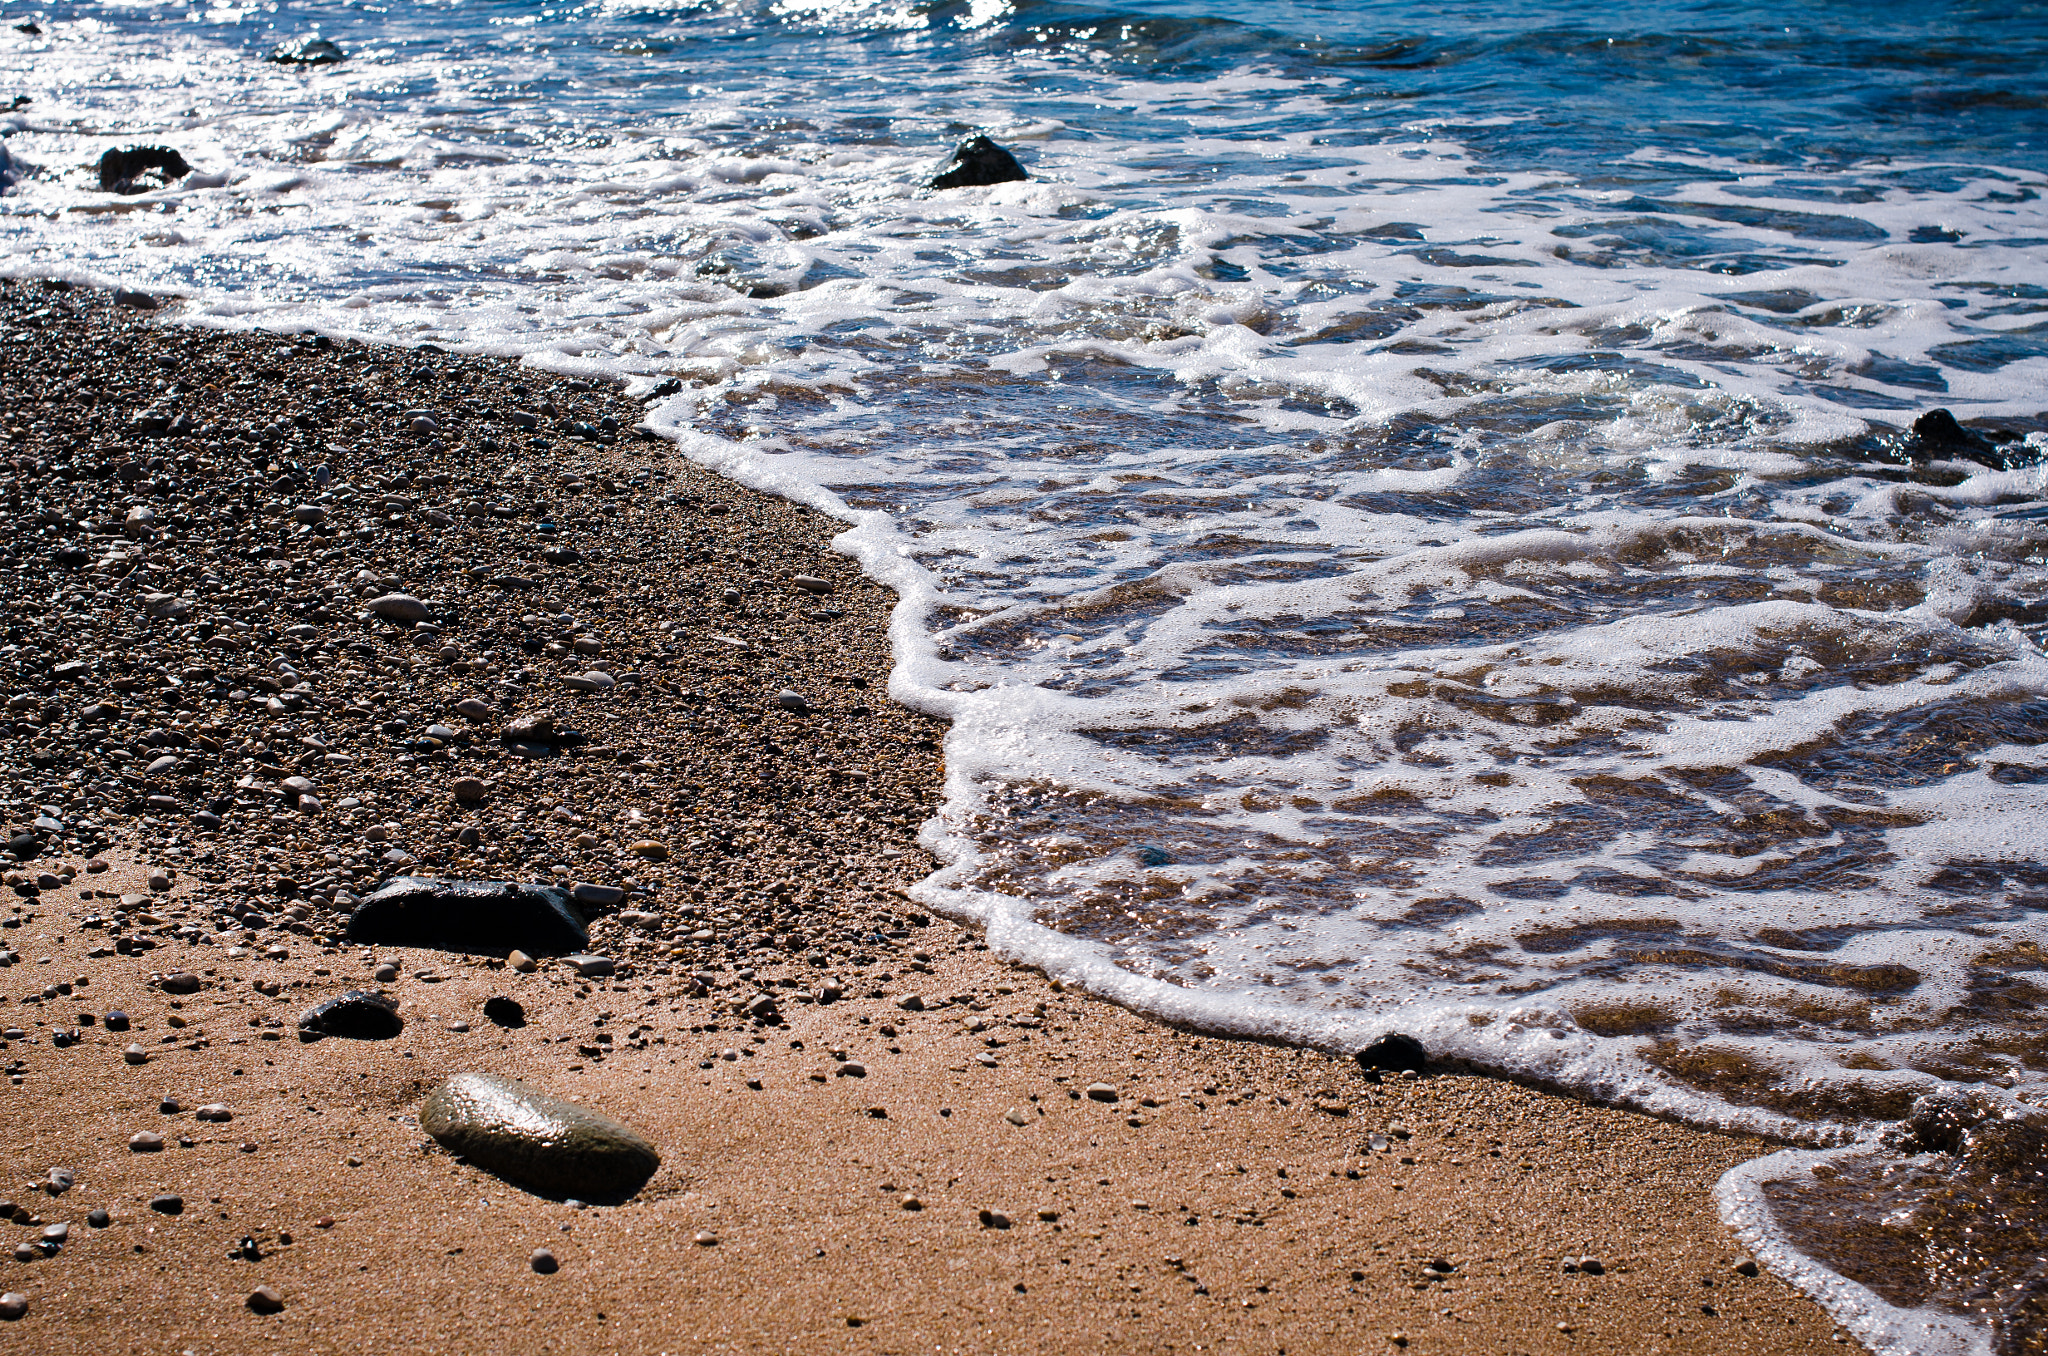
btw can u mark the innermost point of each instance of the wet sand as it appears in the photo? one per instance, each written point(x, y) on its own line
point(962, 1191)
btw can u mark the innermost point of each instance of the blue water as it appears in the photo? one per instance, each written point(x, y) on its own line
point(1407, 509)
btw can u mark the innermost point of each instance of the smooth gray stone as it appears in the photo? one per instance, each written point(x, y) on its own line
point(483, 916)
point(528, 1137)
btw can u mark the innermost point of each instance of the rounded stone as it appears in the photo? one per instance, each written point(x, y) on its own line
point(135, 1054)
point(355, 1015)
point(13, 1305)
point(529, 1137)
point(145, 1142)
point(265, 1300)
point(544, 1262)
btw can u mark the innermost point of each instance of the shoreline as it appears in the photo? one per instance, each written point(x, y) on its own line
point(1216, 1194)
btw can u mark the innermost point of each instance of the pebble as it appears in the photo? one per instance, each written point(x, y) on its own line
point(594, 681)
point(24, 1252)
point(789, 699)
point(402, 607)
point(592, 967)
point(169, 1106)
point(912, 1203)
point(167, 1204)
point(56, 1235)
point(474, 709)
point(1101, 1092)
point(994, 1219)
point(598, 896)
point(522, 962)
point(521, 1133)
point(145, 1142)
point(265, 1300)
point(1016, 1117)
point(469, 790)
point(13, 1305)
point(911, 1002)
point(504, 1011)
point(356, 1015)
point(59, 1181)
point(385, 973)
point(1744, 1266)
point(648, 849)
point(135, 1054)
point(704, 1238)
point(98, 1218)
point(180, 981)
point(544, 1262)
point(852, 1069)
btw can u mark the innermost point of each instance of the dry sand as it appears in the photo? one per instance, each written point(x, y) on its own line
point(1249, 1210)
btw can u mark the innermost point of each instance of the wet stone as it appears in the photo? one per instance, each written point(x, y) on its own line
point(470, 916)
point(355, 1015)
point(529, 1137)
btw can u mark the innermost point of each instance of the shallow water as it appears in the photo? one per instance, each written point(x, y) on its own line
point(1407, 509)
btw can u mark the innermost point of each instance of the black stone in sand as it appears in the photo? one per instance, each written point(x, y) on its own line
point(980, 162)
point(355, 1015)
point(480, 916)
point(1393, 1054)
point(505, 1011)
point(141, 169)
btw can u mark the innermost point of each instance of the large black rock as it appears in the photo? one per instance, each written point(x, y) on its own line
point(141, 169)
point(1937, 435)
point(481, 916)
point(977, 162)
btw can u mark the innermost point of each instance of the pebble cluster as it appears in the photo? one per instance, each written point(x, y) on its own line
point(291, 617)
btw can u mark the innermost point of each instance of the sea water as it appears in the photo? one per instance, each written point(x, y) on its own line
point(1408, 508)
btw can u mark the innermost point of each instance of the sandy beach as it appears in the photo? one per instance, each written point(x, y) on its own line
point(911, 1145)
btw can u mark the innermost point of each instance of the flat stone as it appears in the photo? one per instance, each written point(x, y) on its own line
point(811, 583)
point(145, 1142)
point(647, 849)
point(167, 1203)
point(601, 896)
point(1101, 1092)
point(214, 1111)
point(538, 727)
point(791, 700)
point(401, 607)
point(179, 981)
point(161, 767)
point(592, 967)
point(911, 1002)
point(471, 916)
point(354, 1015)
point(593, 681)
point(526, 1136)
point(473, 708)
